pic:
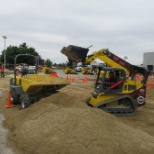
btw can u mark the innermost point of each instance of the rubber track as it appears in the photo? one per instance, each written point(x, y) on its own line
point(118, 110)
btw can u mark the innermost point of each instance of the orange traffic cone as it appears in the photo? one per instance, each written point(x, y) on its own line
point(54, 74)
point(137, 77)
point(83, 81)
point(9, 103)
point(73, 80)
point(151, 84)
point(67, 77)
point(87, 79)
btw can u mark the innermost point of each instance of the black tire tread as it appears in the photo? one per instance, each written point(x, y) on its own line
point(25, 101)
point(15, 97)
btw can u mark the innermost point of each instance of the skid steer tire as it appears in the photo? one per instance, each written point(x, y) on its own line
point(14, 97)
point(25, 101)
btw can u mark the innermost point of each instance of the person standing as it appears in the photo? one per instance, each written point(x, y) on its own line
point(2, 71)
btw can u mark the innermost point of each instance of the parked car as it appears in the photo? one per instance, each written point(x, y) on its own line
point(78, 68)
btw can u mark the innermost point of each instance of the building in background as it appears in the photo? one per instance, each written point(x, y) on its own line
point(148, 61)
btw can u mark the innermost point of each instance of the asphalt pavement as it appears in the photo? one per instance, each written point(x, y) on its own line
point(4, 148)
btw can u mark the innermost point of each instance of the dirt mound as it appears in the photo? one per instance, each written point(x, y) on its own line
point(63, 124)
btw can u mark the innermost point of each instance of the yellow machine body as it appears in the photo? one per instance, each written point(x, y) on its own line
point(35, 82)
point(69, 70)
point(47, 70)
point(86, 71)
point(29, 87)
point(125, 91)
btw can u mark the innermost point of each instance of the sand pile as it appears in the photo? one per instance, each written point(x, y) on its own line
point(63, 124)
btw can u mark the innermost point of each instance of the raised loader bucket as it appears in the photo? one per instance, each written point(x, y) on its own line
point(36, 82)
point(76, 54)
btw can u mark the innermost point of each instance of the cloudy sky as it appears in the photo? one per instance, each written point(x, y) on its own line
point(125, 27)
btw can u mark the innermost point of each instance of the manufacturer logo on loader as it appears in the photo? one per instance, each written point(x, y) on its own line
point(140, 100)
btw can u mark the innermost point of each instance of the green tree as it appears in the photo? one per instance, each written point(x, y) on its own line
point(62, 65)
point(12, 51)
point(55, 65)
point(24, 45)
point(48, 63)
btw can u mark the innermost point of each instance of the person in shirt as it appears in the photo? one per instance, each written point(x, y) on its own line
point(112, 79)
point(2, 71)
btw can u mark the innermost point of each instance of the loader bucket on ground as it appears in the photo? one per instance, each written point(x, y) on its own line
point(76, 54)
point(36, 82)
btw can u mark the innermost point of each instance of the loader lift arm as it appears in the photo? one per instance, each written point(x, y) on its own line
point(115, 61)
point(78, 54)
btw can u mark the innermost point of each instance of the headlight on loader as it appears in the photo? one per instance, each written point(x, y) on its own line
point(142, 91)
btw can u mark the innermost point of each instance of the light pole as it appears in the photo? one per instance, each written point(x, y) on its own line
point(4, 37)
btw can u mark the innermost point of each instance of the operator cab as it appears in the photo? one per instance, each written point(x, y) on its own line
point(110, 80)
